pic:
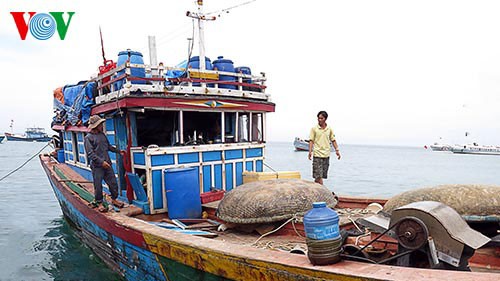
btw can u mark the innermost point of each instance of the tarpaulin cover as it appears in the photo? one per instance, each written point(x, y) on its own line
point(78, 100)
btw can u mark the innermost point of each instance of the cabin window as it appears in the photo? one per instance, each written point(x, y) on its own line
point(229, 127)
point(202, 127)
point(243, 125)
point(157, 127)
point(257, 127)
point(74, 143)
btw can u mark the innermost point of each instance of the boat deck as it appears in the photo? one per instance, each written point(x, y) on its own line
point(274, 249)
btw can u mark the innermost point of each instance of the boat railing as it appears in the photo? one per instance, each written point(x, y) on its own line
point(220, 166)
point(120, 82)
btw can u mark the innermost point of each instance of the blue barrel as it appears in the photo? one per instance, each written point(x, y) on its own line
point(194, 62)
point(226, 65)
point(60, 156)
point(321, 222)
point(135, 58)
point(244, 70)
point(183, 193)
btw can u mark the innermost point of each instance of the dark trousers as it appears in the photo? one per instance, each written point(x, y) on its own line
point(99, 174)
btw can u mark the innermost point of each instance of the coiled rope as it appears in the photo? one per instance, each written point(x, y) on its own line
point(26, 162)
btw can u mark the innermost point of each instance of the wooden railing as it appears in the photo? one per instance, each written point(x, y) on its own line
point(193, 81)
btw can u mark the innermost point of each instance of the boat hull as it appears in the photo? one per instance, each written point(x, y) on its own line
point(14, 138)
point(476, 151)
point(301, 145)
point(138, 250)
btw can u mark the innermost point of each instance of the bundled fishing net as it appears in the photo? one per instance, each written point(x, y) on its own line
point(272, 200)
point(466, 199)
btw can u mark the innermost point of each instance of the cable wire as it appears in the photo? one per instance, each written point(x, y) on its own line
point(26, 162)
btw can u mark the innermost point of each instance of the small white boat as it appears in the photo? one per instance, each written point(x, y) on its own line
point(476, 149)
point(300, 144)
point(440, 147)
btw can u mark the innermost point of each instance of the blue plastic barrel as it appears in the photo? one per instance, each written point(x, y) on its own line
point(183, 193)
point(194, 62)
point(321, 222)
point(226, 65)
point(60, 156)
point(135, 58)
point(244, 70)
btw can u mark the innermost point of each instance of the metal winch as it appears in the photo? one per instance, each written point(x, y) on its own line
point(437, 232)
point(429, 234)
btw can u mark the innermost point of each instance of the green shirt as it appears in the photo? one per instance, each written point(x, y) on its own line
point(322, 139)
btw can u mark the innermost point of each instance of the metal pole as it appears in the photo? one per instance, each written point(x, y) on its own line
point(153, 60)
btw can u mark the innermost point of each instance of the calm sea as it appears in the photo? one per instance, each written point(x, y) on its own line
point(36, 243)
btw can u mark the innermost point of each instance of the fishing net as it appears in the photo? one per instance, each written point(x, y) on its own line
point(272, 200)
point(466, 199)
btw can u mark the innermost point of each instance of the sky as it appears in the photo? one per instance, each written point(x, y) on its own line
point(387, 72)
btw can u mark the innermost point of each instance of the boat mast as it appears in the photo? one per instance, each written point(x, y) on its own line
point(201, 17)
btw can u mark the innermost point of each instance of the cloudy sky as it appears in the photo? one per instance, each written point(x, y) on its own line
point(387, 72)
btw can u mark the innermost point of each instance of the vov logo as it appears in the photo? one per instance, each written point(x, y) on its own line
point(41, 25)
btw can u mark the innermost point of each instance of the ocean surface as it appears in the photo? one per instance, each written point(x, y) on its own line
point(36, 243)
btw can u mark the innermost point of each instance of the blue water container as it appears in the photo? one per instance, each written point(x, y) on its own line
point(244, 70)
point(135, 58)
point(183, 193)
point(226, 65)
point(321, 222)
point(60, 156)
point(194, 62)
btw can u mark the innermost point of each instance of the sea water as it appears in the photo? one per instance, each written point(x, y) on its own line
point(36, 243)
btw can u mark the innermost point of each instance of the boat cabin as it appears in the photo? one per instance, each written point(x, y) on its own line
point(217, 127)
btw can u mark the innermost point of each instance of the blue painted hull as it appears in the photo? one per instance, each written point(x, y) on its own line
point(121, 248)
point(120, 255)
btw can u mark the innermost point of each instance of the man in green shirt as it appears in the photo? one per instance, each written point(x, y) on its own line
point(319, 147)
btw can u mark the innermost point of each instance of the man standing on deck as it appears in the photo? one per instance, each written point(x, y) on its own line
point(97, 147)
point(320, 138)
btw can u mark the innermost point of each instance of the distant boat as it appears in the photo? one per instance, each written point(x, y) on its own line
point(476, 149)
point(440, 147)
point(300, 144)
point(31, 134)
point(2, 137)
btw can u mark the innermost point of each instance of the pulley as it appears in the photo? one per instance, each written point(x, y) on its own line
point(411, 233)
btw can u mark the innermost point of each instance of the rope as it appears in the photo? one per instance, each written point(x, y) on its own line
point(273, 231)
point(269, 167)
point(26, 162)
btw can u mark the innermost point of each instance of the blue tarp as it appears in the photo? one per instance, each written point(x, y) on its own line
point(176, 73)
point(78, 100)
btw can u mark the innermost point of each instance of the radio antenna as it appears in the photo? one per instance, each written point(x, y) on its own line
point(102, 46)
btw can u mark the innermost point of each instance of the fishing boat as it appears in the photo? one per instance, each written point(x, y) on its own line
point(300, 144)
point(476, 149)
point(187, 140)
point(31, 135)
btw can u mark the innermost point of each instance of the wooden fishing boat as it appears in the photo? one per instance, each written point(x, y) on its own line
point(300, 144)
point(212, 122)
point(30, 135)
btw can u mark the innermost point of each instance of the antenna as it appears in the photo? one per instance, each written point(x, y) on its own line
point(102, 46)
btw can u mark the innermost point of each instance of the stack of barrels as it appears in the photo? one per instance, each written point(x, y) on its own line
point(323, 238)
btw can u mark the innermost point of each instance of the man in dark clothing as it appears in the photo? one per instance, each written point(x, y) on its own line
point(97, 147)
